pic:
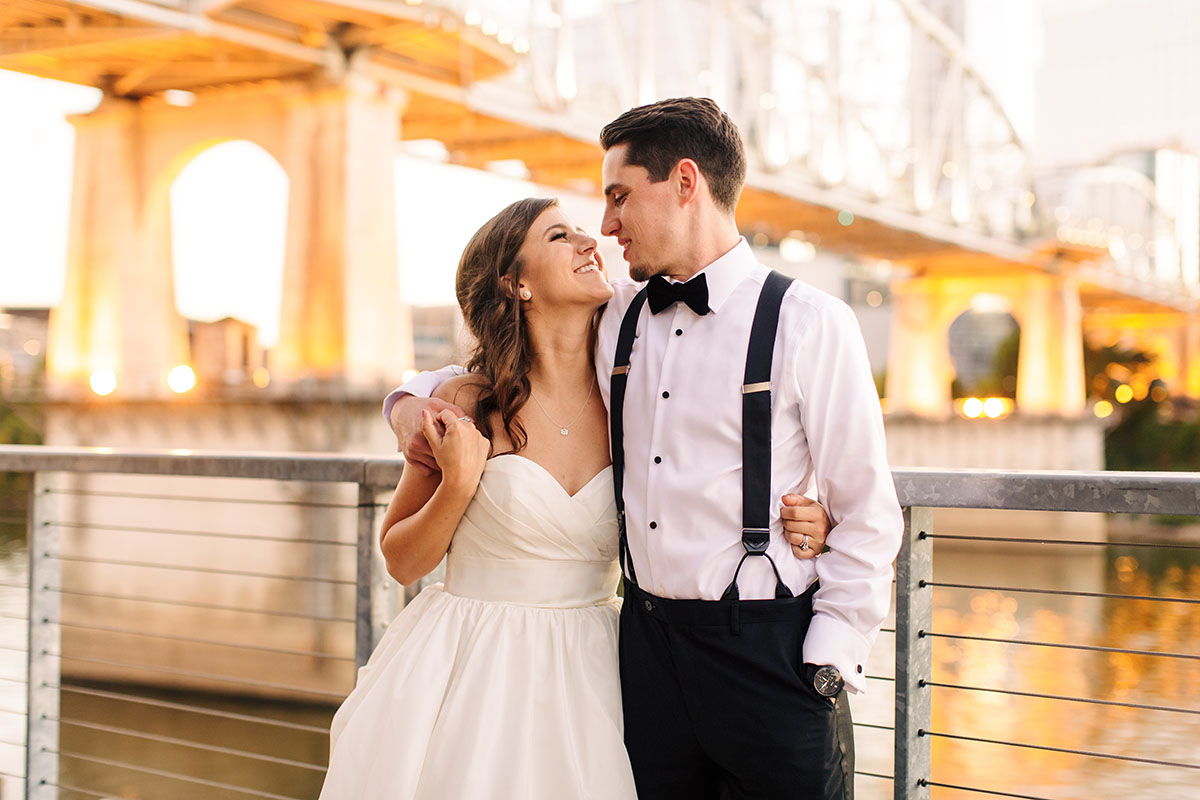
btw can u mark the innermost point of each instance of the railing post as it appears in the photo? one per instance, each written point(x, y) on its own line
point(385, 592)
point(914, 655)
point(364, 640)
point(44, 675)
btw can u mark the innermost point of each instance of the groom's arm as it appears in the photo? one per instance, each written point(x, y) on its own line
point(402, 409)
point(843, 424)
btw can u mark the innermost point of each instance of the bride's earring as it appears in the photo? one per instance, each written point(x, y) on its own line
point(526, 294)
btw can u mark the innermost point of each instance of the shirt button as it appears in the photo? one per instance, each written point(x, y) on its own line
point(666, 395)
point(648, 605)
point(679, 331)
point(658, 459)
point(653, 525)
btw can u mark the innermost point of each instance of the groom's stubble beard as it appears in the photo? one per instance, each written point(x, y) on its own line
point(642, 271)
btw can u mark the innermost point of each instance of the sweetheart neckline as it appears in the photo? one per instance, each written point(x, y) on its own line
point(550, 475)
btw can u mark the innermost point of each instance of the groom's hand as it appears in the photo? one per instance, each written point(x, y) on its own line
point(406, 423)
point(805, 525)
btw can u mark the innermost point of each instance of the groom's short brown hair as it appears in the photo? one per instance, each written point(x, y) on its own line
point(660, 134)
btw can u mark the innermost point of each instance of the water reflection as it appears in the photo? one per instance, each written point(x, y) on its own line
point(1134, 678)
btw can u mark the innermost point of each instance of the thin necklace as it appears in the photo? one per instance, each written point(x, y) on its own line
point(563, 429)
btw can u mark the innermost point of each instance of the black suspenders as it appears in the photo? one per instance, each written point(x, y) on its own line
point(756, 432)
point(616, 423)
point(756, 428)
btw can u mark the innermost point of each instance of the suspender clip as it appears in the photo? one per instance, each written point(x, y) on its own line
point(756, 540)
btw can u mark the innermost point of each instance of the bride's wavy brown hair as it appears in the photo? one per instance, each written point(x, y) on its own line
point(489, 273)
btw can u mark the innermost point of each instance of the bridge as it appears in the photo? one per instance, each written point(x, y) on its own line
point(868, 131)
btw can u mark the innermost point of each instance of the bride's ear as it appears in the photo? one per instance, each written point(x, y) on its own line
point(506, 285)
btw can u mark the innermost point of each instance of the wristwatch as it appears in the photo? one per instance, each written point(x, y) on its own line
point(827, 681)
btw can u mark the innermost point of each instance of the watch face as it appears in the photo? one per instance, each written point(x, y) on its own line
point(827, 681)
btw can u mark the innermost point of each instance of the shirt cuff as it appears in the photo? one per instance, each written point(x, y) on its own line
point(424, 385)
point(831, 641)
point(390, 401)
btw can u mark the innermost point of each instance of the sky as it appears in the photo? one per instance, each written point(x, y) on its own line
point(223, 238)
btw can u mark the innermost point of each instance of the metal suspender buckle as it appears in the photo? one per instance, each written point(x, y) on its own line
point(756, 540)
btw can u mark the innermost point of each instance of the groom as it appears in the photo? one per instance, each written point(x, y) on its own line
point(735, 654)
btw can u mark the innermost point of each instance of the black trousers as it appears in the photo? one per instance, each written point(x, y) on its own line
point(717, 704)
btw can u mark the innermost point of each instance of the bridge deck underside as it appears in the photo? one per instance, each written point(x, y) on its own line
point(136, 48)
point(141, 48)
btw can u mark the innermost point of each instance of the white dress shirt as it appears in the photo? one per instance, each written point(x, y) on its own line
point(683, 453)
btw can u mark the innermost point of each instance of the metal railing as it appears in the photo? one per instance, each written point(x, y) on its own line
point(205, 642)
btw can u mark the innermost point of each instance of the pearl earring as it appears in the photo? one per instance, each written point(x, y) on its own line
point(526, 294)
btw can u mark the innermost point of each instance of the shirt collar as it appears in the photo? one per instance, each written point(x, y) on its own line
point(724, 274)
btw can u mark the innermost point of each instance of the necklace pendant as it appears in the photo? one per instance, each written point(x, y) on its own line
point(563, 431)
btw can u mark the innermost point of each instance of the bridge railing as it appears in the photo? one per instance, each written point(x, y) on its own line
point(877, 98)
point(193, 619)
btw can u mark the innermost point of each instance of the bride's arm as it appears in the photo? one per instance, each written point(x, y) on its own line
point(426, 508)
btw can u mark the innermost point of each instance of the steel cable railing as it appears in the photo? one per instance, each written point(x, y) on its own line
point(112, 562)
point(196, 640)
point(193, 709)
point(199, 605)
point(249, 537)
point(172, 775)
point(232, 680)
point(174, 740)
point(1067, 750)
point(97, 574)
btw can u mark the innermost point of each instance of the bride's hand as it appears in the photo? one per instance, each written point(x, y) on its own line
point(460, 449)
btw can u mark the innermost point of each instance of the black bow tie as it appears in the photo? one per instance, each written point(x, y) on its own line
point(662, 294)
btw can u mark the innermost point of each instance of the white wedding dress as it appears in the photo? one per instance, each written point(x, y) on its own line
point(502, 682)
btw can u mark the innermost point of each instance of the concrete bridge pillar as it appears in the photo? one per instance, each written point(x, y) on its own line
point(118, 309)
point(1050, 377)
point(919, 367)
point(341, 317)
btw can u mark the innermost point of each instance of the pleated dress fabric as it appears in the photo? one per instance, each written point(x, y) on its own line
point(502, 682)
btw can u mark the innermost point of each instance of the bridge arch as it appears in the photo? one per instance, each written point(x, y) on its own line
point(340, 316)
point(980, 340)
point(228, 228)
point(1050, 361)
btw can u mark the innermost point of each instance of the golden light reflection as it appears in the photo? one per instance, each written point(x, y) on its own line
point(181, 379)
point(103, 382)
point(1124, 677)
point(990, 407)
point(1140, 385)
point(1103, 409)
point(1124, 393)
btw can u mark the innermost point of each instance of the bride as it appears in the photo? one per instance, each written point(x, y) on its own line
point(503, 682)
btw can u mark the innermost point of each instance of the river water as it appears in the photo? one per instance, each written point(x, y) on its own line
point(1145, 625)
